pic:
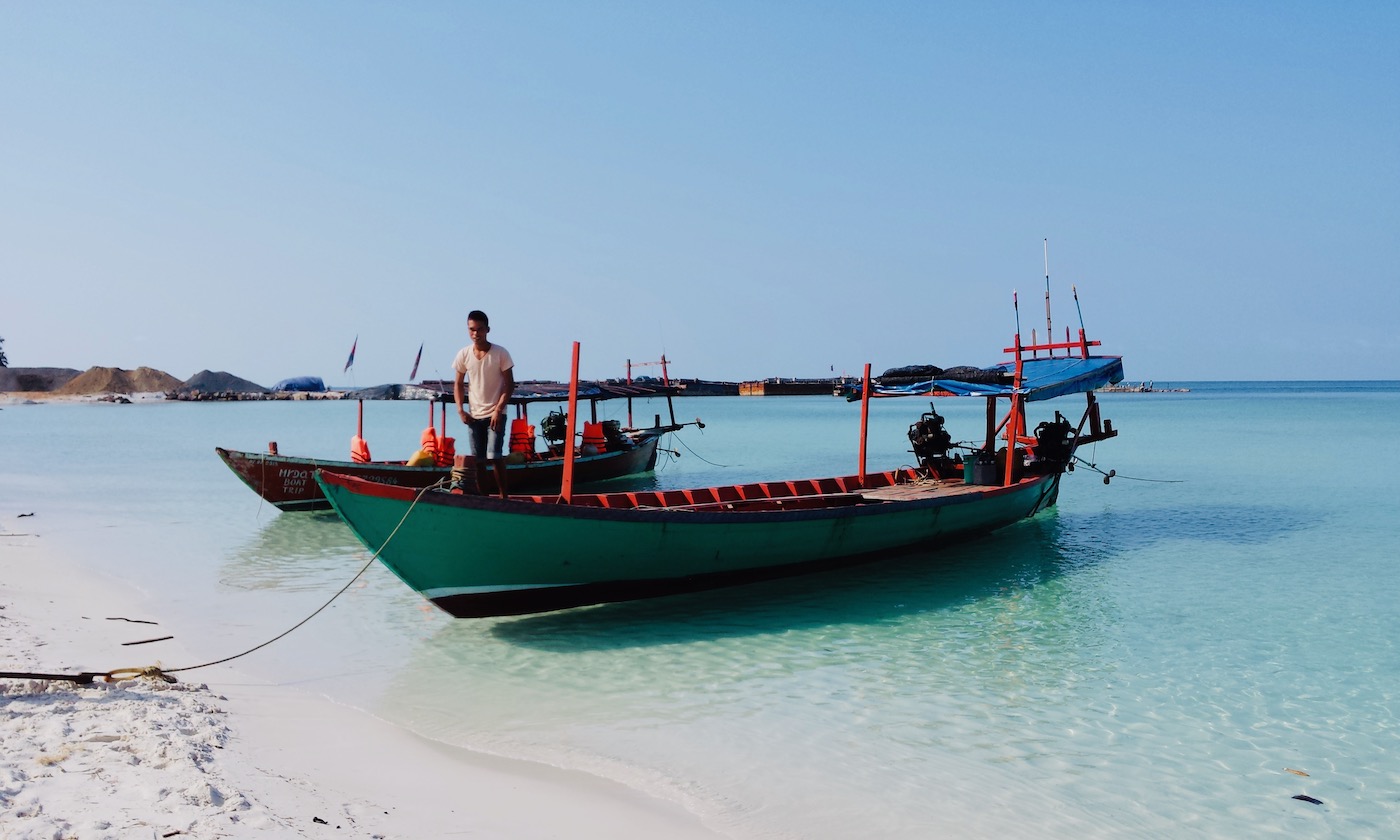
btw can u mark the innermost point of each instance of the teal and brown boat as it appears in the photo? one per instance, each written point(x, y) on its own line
point(289, 482)
point(476, 556)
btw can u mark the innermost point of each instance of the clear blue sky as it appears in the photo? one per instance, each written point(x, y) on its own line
point(754, 189)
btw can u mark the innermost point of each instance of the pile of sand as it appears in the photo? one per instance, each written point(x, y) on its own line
point(35, 379)
point(106, 380)
point(219, 382)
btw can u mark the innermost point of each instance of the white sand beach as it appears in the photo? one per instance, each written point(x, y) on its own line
point(218, 754)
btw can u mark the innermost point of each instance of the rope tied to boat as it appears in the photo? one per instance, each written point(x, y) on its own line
point(375, 556)
point(89, 677)
point(1111, 474)
point(164, 674)
point(677, 439)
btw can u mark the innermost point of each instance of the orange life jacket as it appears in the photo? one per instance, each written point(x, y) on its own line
point(359, 450)
point(593, 436)
point(522, 436)
point(446, 451)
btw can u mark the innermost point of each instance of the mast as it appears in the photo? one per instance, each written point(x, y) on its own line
point(1016, 307)
point(1083, 342)
point(665, 381)
point(1049, 334)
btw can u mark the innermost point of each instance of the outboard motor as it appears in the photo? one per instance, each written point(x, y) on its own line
point(930, 439)
point(613, 436)
point(554, 428)
point(1054, 441)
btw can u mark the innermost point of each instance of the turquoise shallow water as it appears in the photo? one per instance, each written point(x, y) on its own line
point(1150, 659)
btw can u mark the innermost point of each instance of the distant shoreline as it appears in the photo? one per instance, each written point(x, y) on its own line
point(40, 385)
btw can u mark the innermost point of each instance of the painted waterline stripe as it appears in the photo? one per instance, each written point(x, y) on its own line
point(450, 591)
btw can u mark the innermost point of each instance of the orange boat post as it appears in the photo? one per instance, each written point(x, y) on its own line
point(864, 420)
point(359, 449)
point(566, 487)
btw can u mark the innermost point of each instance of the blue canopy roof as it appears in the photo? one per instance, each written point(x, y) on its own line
point(301, 383)
point(1044, 379)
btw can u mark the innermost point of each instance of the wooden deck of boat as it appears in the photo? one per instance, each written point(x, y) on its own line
point(922, 490)
point(769, 496)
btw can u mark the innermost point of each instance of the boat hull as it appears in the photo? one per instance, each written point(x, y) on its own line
point(289, 483)
point(478, 556)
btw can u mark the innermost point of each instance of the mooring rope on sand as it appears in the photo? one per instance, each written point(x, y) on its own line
point(157, 672)
point(89, 677)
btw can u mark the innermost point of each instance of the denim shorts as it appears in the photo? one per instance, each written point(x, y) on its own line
point(485, 438)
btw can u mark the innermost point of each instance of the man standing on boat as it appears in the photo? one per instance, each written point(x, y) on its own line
point(490, 379)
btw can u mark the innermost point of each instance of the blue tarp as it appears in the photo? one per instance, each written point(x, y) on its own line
point(1044, 379)
point(300, 383)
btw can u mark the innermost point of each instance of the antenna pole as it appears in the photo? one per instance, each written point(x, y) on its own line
point(1083, 341)
point(1048, 332)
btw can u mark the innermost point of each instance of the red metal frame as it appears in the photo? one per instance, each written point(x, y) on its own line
point(1013, 426)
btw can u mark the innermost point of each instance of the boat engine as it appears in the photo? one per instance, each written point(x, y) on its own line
point(554, 427)
point(1054, 441)
point(930, 439)
point(613, 436)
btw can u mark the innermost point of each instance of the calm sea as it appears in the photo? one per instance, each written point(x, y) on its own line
point(1163, 656)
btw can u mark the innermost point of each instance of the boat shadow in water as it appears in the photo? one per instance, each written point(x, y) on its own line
point(1131, 529)
point(295, 552)
point(1016, 558)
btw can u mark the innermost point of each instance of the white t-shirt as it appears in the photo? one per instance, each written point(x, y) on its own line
point(485, 378)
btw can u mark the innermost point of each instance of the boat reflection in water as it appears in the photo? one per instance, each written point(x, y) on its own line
point(295, 553)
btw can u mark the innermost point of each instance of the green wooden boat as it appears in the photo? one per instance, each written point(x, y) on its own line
point(476, 556)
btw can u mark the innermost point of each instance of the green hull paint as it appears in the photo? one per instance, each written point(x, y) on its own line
point(458, 547)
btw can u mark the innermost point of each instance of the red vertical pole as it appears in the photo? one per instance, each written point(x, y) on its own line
point(1013, 419)
point(666, 380)
point(1013, 433)
point(360, 426)
point(864, 420)
point(566, 489)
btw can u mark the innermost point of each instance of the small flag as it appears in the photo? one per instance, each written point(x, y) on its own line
point(350, 361)
point(414, 375)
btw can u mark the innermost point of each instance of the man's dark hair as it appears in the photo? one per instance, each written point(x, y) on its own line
point(478, 315)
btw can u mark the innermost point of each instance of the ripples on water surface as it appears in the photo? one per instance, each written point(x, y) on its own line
point(1148, 660)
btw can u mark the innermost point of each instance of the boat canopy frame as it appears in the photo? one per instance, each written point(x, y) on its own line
point(1022, 379)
